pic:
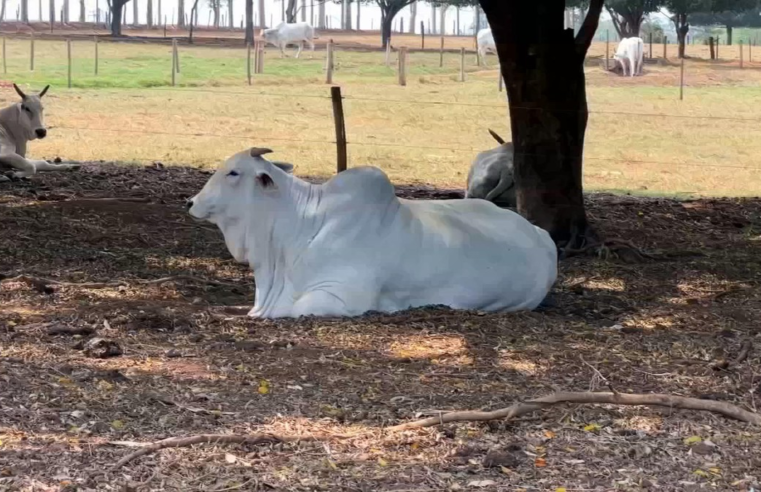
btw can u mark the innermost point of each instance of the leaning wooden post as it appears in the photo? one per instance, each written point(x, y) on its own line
point(422, 35)
point(174, 61)
point(741, 54)
point(441, 53)
point(176, 55)
point(248, 62)
point(607, 48)
point(462, 64)
point(403, 66)
point(260, 59)
point(711, 45)
point(5, 65)
point(338, 119)
point(31, 54)
point(718, 42)
point(651, 45)
point(68, 57)
point(681, 80)
point(95, 38)
point(665, 44)
point(329, 63)
point(256, 56)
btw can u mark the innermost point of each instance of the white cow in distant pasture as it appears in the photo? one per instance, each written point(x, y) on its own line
point(631, 53)
point(21, 123)
point(285, 34)
point(485, 43)
point(350, 245)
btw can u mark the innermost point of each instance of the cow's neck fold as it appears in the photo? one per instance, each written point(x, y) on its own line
point(9, 120)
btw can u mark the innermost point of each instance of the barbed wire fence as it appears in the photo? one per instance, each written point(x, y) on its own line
point(351, 99)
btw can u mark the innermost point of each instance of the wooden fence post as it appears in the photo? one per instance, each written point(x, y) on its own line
point(5, 65)
point(174, 61)
point(665, 44)
point(248, 62)
point(750, 51)
point(681, 80)
point(718, 42)
point(741, 53)
point(329, 63)
point(607, 48)
point(422, 35)
point(68, 57)
point(95, 38)
point(338, 119)
point(31, 54)
point(256, 56)
point(441, 53)
point(651, 45)
point(403, 66)
point(711, 45)
point(462, 64)
point(260, 59)
point(176, 56)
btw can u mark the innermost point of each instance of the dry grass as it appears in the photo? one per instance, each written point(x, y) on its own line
point(389, 126)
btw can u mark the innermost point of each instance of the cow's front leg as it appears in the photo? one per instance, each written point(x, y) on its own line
point(48, 166)
point(282, 51)
point(23, 167)
point(298, 51)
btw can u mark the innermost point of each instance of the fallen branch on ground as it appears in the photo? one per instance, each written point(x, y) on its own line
point(743, 354)
point(40, 282)
point(530, 406)
point(622, 248)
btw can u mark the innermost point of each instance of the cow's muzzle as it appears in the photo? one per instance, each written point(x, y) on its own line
point(41, 132)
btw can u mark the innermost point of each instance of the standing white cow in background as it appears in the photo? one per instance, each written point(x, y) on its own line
point(350, 245)
point(285, 34)
point(631, 52)
point(21, 123)
point(485, 43)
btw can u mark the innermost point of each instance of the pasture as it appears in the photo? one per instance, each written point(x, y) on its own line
point(109, 252)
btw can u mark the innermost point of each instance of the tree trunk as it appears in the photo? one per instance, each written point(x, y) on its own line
point(2, 10)
point(348, 16)
point(290, 12)
point(51, 12)
point(149, 13)
point(193, 20)
point(321, 16)
point(65, 16)
point(543, 68)
point(135, 12)
point(443, 20)
point(358, 18)
point(729, 35)
point(343, 14)
point(433, 19)
point(230, 19)
point(181, 13)
point(217, 11)
point(682, 28)
point(413, 18)
point(386, 22)
point(478, 18)
point(249, 37)
point(82, 11)
point(116, 17)
point(24, 10)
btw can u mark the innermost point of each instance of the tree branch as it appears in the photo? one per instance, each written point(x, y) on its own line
point(588, 28)
point(519, 409)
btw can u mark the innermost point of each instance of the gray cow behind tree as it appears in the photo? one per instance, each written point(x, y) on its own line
point(491, 175)
point(21, 123)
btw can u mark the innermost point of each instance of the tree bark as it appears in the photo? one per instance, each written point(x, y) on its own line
point(627, 23)
point(321, 15)
point(262, 23)
point(443, 19)
point(290, 12)
point(24, 10)
point(682, 28)
point(181, 13)
point(359, 9)
point(303, 10)
point(729, 35)
point(82, 12)
point(149, 14)
point(433, 19)
point(543, 67)
point(117, 10)
point(413, 18)
point(249, 37)
point(348, 16)
point(2, 10)
point(135, 12)
point(51, 12)
point(193, 20)
point(65, 18)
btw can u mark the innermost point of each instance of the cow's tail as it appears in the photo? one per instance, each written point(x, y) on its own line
point(496, 137)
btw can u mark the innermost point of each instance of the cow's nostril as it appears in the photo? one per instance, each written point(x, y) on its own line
point(188, 204)
point(41, 132)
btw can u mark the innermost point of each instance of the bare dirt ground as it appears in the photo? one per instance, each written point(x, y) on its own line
point(190, 363)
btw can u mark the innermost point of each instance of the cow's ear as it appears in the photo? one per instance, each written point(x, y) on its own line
point(285, 166)
point(266, 182)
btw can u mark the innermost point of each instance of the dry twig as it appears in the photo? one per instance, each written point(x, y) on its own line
point(743, 354)
point(38, 282)
point(519, 409)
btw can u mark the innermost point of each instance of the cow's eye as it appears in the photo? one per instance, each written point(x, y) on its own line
point(232, 173)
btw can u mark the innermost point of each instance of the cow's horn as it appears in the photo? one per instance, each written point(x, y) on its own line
point(496, 137)
point(44, 90)
point(19, 91)
point(258, 152)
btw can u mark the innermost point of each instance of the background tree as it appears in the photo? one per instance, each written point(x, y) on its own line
point(413, 17)
point(82, 11)
point(135, 14)
point(543, 67)
point(262, 23)
point(627, 15)
point(3, 4)
point(181, 13)
point(290, 11)
point(249, 36)
point(148, 13)
point(680, 11)
point(729, 14)
point(389, 9)
point(24, 10)
point(117, 11)
point(216, 9)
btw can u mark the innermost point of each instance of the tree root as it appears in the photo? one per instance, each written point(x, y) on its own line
point(519, 409)
point(43, 284)
point(623, 249)
point(742, 355)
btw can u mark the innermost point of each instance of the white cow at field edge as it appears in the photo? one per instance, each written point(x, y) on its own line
point(294, 33)
point(630, 51)
point(350, 246)
point(485, 43)
point(21, 123)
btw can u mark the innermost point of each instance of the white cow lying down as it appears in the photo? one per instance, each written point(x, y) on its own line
point(285, 34)
point(485, 43)
point(349, 245)
point(630, 53)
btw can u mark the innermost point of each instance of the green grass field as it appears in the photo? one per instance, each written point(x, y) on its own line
point(641, 138)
